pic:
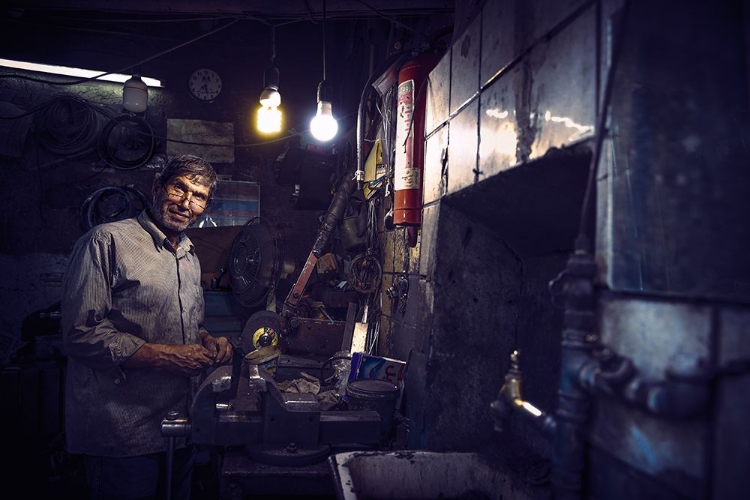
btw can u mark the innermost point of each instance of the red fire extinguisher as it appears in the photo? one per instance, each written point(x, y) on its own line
point(409, 157)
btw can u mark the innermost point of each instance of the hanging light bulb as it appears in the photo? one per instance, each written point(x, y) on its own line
point(269, 115)
point(323, 126)
point(135, 95)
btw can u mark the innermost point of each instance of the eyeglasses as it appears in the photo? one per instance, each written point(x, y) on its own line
point(177, 192)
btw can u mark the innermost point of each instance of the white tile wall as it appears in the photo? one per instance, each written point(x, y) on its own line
point(438, 95)
point(462, 148)
point(498, 38)
point(498, 133)
point(434, 178)
point(563, 96)
point(465, 66)
point(654, 333)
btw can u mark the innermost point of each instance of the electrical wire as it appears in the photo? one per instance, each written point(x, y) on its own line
point(324, 40)
point(126, 68)
point(363, 98)
point(391, 19)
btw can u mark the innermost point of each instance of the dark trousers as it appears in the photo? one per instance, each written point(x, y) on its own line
point(141, 477)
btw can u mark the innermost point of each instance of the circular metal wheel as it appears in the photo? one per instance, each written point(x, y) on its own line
point(364, 273)
point(261, 330)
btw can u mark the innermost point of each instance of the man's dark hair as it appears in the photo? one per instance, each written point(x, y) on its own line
point(194, 168)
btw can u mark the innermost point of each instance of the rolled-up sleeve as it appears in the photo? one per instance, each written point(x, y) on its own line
point(88, 333)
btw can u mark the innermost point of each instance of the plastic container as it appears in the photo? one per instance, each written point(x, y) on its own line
point(374, 394)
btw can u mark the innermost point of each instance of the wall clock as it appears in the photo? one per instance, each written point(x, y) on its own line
point(204, 84)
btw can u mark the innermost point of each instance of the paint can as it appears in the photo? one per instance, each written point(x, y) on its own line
point(374, 394)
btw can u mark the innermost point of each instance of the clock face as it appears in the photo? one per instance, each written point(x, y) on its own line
point(205, 84)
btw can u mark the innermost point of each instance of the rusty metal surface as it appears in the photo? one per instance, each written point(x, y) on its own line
point(316, 336)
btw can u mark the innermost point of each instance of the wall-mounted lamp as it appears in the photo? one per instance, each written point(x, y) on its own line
point(135, 95)
point(269, 114)
point(323, 126)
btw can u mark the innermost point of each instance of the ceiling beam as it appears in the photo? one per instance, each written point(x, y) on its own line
point(259, 8)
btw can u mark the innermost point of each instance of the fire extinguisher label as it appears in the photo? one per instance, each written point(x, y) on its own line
point(406, 176)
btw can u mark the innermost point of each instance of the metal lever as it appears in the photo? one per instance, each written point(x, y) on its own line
point(172, 427)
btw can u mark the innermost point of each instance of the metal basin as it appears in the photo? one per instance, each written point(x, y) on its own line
point(412, 475)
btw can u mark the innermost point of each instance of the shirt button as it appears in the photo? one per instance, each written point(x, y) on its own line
point(117, 381)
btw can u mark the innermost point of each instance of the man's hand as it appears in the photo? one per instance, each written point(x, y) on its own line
point(186, 360)
point(219, 348)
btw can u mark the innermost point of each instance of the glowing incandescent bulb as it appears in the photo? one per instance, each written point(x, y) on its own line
point(269, 114)
point(324, 126)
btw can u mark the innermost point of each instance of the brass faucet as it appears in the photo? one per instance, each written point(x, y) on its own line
point(510, 399)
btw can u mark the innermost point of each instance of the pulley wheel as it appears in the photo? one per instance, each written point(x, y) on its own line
point(261, 330)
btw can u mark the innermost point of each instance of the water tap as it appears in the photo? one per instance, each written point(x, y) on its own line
point(510, 399)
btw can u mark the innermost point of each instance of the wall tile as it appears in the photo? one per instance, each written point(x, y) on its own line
point(498, 134)
point(653, 333)
point(429, 239)
point(462, 148)
point(400, 250)
point(435, 169)
point(734, 340)
point(387, 240)
point(438, 95)
point(465, 66)
point(732, 413)
point(562, 106)
point(535, 20)
point(498, 38)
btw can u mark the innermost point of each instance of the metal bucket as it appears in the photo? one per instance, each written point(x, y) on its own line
point(374, 394)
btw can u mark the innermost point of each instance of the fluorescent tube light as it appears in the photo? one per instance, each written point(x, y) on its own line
point(77, 72)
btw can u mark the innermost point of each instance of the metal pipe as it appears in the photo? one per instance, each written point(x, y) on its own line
point(573, 401)
point(335, 213)
point(683, 393)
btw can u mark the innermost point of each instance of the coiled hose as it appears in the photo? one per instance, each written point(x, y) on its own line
point(112, 203)
point(68, 126)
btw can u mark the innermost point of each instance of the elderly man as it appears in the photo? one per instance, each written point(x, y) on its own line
point(132, 318)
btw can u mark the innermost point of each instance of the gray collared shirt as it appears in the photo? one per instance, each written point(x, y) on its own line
point(125, 286)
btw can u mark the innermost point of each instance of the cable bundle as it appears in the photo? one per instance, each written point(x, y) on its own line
point(127, 142)
point(67, 126)
point(111, 203)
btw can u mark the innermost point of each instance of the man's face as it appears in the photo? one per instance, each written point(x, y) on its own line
point(179, 203)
